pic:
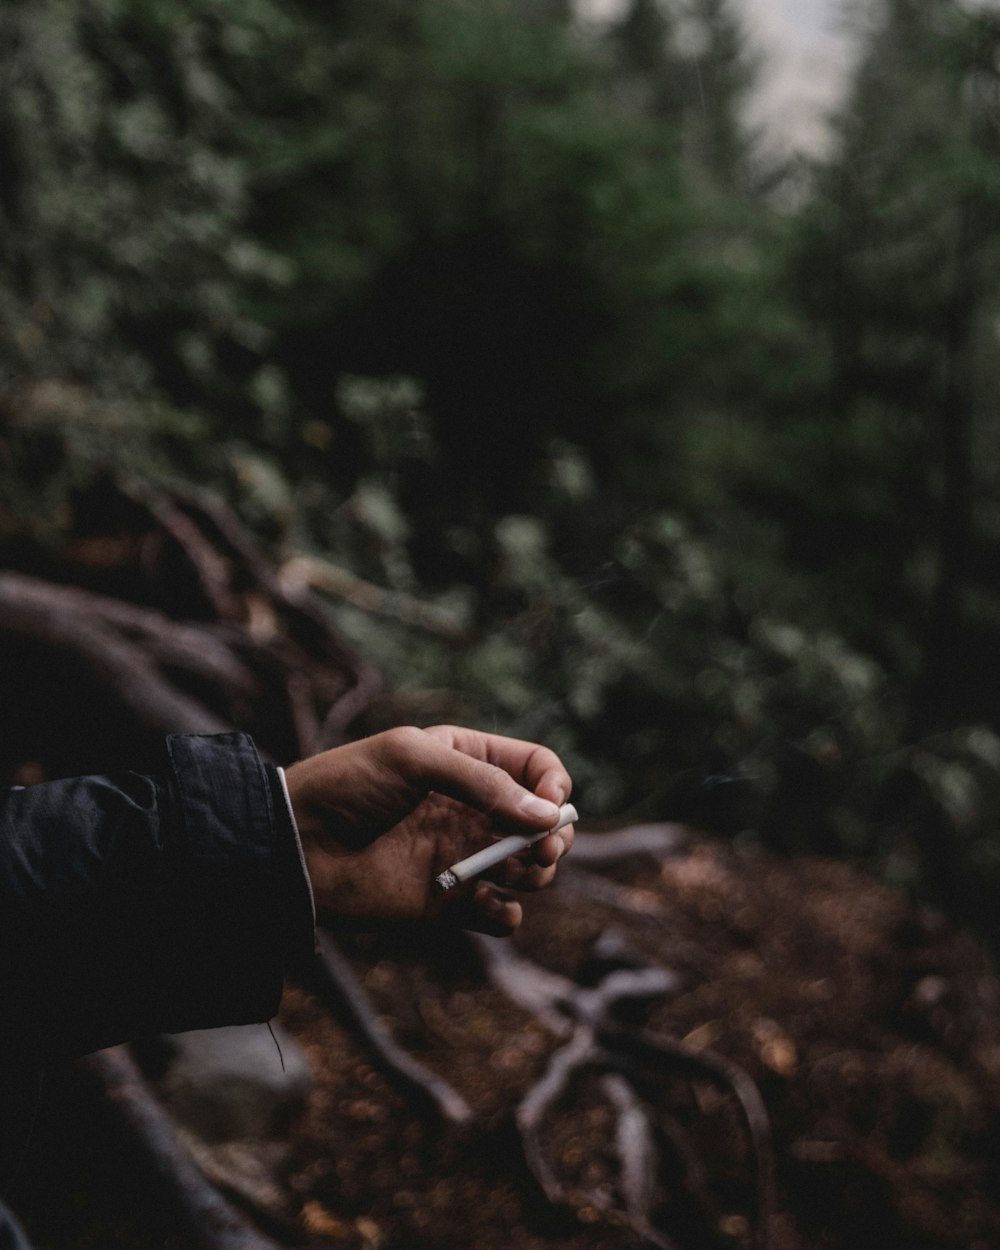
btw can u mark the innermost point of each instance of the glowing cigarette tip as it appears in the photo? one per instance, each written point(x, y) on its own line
point(490, 856)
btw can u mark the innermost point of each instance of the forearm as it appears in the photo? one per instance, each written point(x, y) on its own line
point(141, 904)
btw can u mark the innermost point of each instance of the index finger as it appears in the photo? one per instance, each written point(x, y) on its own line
point(535, 767)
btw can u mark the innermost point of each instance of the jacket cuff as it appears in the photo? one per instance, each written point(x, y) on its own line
point(132, 905)
point(247, 903)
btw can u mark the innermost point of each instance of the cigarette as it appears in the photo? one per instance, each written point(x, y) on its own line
point(490, 856)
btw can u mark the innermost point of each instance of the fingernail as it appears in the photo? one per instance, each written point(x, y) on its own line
point(532, 805)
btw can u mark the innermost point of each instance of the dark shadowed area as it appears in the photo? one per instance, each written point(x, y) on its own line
point(365, 364)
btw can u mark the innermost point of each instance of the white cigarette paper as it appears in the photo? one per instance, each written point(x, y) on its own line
point(490, 856)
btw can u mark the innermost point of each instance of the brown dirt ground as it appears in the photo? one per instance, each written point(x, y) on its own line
point(871, 1028)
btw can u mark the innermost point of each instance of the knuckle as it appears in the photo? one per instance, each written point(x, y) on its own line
point(402, 737)
point(402, 744)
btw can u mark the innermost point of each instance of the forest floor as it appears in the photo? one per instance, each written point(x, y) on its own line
point(871, 1029)
point(709, 1047)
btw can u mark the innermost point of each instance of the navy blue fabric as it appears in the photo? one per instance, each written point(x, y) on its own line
point(132, 904)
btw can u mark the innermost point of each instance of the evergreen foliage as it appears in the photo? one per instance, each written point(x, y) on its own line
point(501, 315)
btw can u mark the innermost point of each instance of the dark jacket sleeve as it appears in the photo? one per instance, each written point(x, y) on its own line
point(135, 904)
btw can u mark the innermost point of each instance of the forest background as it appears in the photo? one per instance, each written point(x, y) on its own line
point(601, 425)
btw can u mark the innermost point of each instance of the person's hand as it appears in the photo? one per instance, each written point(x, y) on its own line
point(380, 818)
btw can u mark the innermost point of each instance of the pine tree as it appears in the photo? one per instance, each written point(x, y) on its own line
point(689, 66)
point(898, 265)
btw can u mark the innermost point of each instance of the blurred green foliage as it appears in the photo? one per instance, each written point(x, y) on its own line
point(690, 461)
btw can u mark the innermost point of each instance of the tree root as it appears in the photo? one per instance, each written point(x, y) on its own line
point(310, 571)
point(76, 622)
point(334, 981)
point(598, 850)
point(214, 1222)
point(248, 654)
point(584, 1019)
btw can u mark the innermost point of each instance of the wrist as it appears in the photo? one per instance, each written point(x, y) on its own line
point(333, 880)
